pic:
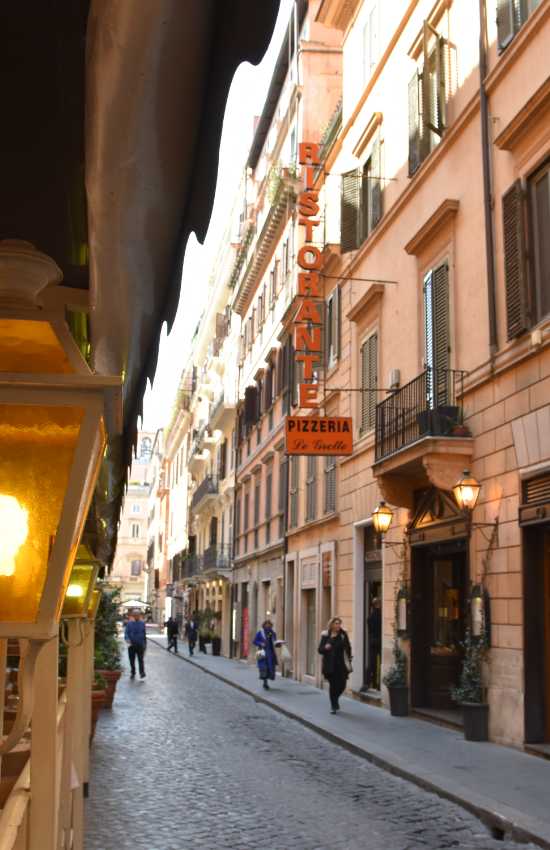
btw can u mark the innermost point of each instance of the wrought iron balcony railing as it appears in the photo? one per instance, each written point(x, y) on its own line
point(207, 487)
point(216, 557)
point(428, 406)
point(190, 566)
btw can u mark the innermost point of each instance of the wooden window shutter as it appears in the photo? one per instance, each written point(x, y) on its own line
point(330, 484)
point(515, 268)
point(376, 193)
point(511, 14)
point(250, 405)
point(415, 122)
point(350, 203)
point(369, 380)
point(441, 332)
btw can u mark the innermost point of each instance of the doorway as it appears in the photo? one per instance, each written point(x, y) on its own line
point(536, 577)
point(372, 608)
point(311, 632)
point(438, 617)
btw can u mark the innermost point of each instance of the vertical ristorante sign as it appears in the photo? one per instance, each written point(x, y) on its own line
point(322, 435)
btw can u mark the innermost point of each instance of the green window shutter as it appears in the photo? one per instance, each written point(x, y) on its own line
point(511, 15)
point(376, 183)
point(369, 380)
point(515, 269)
point(350, 202)
point(330, 484)
point(415, 122)
point(441, 341)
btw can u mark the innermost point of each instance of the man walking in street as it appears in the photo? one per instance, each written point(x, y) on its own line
point(135, 637)
point(191, 633)
point(171, 627)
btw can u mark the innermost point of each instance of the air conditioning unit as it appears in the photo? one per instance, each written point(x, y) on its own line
point(394, 379)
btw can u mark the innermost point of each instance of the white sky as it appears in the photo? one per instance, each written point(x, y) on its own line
point(246, 98)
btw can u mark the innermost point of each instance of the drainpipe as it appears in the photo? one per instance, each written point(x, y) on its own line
point(487, 179)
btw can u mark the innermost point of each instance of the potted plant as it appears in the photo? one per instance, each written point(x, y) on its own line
point(396, 682)
point(107, 647)
point(470, 691)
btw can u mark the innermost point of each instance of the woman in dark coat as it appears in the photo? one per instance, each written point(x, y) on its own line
point(266, 658)
point(336, 651)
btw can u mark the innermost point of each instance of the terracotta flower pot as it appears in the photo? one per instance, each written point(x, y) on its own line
point(111, 678)
point(98, 702)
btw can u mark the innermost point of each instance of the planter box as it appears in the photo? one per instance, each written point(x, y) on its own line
point(476, 721)
point(399, 701)
point(111, 678)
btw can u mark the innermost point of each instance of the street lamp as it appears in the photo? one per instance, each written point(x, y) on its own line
point(52, 437)
point(78, 596)
point(95, 599)
point(382, 517)
point(466, 491)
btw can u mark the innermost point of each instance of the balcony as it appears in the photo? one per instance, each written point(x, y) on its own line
point(221, 412)
point(190, 566)
point(216, 559)
point(206, 489)
point(197, 452)
point(420, 436)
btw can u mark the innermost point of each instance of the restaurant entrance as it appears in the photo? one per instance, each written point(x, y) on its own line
point(439, 576)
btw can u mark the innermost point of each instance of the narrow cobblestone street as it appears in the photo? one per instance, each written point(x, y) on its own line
point(185, 761)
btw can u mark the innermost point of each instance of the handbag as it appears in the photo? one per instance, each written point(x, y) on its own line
point(260, 654)
point(285, 653)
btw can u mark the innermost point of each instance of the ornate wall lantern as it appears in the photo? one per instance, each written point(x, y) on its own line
point(53, 413)
point(466, 491)
point(382, 517)
point(93, 606)
point(80, 589)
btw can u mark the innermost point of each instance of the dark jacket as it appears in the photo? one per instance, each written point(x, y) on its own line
point(171, 628)
point(191, 631)
point(334, 658)
point(135, 633)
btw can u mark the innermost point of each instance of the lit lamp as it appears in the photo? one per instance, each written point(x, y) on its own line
point(79, 591)
point(466, 491)
point(93, 606)
point(382, 517)
point(52, 439)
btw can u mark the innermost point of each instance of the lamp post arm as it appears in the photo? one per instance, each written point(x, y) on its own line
point(25, 683)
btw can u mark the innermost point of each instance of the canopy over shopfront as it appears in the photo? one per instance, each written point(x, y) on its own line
point(112, 116)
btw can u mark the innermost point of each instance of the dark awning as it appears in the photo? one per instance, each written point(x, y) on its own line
point(112, 114)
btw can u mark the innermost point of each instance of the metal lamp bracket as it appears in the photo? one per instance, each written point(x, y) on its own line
point(64, 634)
point(25, 681)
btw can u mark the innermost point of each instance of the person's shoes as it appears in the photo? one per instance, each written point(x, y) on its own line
point(132, 675)
point(333, 711)
point(266, 686)
point(142, 675)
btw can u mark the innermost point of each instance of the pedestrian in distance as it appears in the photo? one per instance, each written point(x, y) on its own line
point(265, 656)
point(135, 637)
point(335, 648)
point(172, 630)
point(191, 633)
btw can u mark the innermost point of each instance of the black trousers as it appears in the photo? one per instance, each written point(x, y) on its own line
point(336, 687)
point(173, 642)
point(139, 651)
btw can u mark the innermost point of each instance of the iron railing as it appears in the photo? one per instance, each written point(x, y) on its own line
point(207, 487)
point(190, 566)
point(216, 557)
point(428, 406)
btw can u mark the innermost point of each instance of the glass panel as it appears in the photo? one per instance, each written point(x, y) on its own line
point(446, 611)
point(76, 595)
point(38, 445)
point(30, 346)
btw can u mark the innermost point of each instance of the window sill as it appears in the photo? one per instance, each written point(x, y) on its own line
point(313, 523)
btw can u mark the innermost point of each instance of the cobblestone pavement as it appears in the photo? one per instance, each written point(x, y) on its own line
point(185, 762)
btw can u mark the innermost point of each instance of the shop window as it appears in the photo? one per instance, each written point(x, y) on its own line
point(369, 380)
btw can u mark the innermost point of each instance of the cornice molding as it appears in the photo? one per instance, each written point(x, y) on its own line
point(445, 212)
point(521, 123)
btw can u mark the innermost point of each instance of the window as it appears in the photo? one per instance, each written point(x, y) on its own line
point(361, 199)
point(539, 209)
point(330, 484)
point(311, 488)
point(294, 472)
point(286, 259)
point(237, 523)
point(332, 328)
point(135, 530)
point(369, 380)
point(246, 515)
point(437, 335)
point(268, 503)
point(283, 487)
point(511, 15)
point(135, 509)
point(135, 568)
point(146, 448)
point(257, 490)
point(371, 42)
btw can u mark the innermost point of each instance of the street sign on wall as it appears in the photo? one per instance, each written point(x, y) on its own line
point(319, 435)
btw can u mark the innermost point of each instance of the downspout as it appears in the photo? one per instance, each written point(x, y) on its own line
point(487, 180)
